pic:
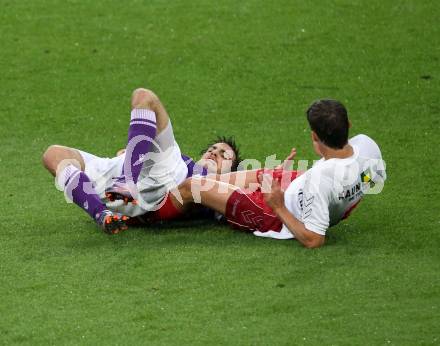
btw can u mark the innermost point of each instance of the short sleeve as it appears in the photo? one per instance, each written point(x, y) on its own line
point(316, 197)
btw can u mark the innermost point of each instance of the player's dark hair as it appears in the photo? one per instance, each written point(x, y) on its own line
point(231, 142)
point(329, 120)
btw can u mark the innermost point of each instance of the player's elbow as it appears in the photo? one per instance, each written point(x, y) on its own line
point(314, 242)
point(312, 245)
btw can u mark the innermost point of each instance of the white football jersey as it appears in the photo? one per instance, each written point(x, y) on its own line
point(326, 193)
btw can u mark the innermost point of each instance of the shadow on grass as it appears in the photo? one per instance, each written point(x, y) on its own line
point(207, 232)
point(182, 233)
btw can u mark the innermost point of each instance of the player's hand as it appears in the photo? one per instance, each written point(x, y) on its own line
point(288, 160)
point(272, 193)
point(120, 152)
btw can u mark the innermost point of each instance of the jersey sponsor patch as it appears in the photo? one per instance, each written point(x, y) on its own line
point(352, 192)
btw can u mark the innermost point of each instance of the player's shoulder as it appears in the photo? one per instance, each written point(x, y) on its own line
point(364, 142)
point(361, 138)
point(319, 178)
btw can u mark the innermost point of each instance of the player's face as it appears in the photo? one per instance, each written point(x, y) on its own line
point(218, 158)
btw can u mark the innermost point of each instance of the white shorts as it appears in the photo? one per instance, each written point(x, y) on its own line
point(162, 170)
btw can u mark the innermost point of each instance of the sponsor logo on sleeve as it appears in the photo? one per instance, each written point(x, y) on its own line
point(305, 204)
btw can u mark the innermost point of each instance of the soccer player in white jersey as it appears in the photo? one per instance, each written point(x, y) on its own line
point(151, 165)
point(313, 201)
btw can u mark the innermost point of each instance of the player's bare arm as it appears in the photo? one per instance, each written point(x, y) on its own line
point(241, 179)
point(275, 199)
point(250, 179)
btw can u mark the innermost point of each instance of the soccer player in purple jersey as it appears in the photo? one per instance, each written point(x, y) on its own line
point(138, 180)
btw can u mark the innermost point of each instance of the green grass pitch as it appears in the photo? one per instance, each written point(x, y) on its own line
point(244, 68)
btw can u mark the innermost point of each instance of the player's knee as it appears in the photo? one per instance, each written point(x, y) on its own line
point(50, 157)
point(144, 98)
point(56, 154)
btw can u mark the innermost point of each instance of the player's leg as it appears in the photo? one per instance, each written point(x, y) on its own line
point(68, 165)
point(243, 210)
point(210, 193)
point(55, 154)
point(78, 188)
point(144, 98)
point(148, 118)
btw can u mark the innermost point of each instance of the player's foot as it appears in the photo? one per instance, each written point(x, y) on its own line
point(112, 223)
point(119, 191)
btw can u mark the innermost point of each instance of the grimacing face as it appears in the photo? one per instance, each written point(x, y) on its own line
point(218, 158)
